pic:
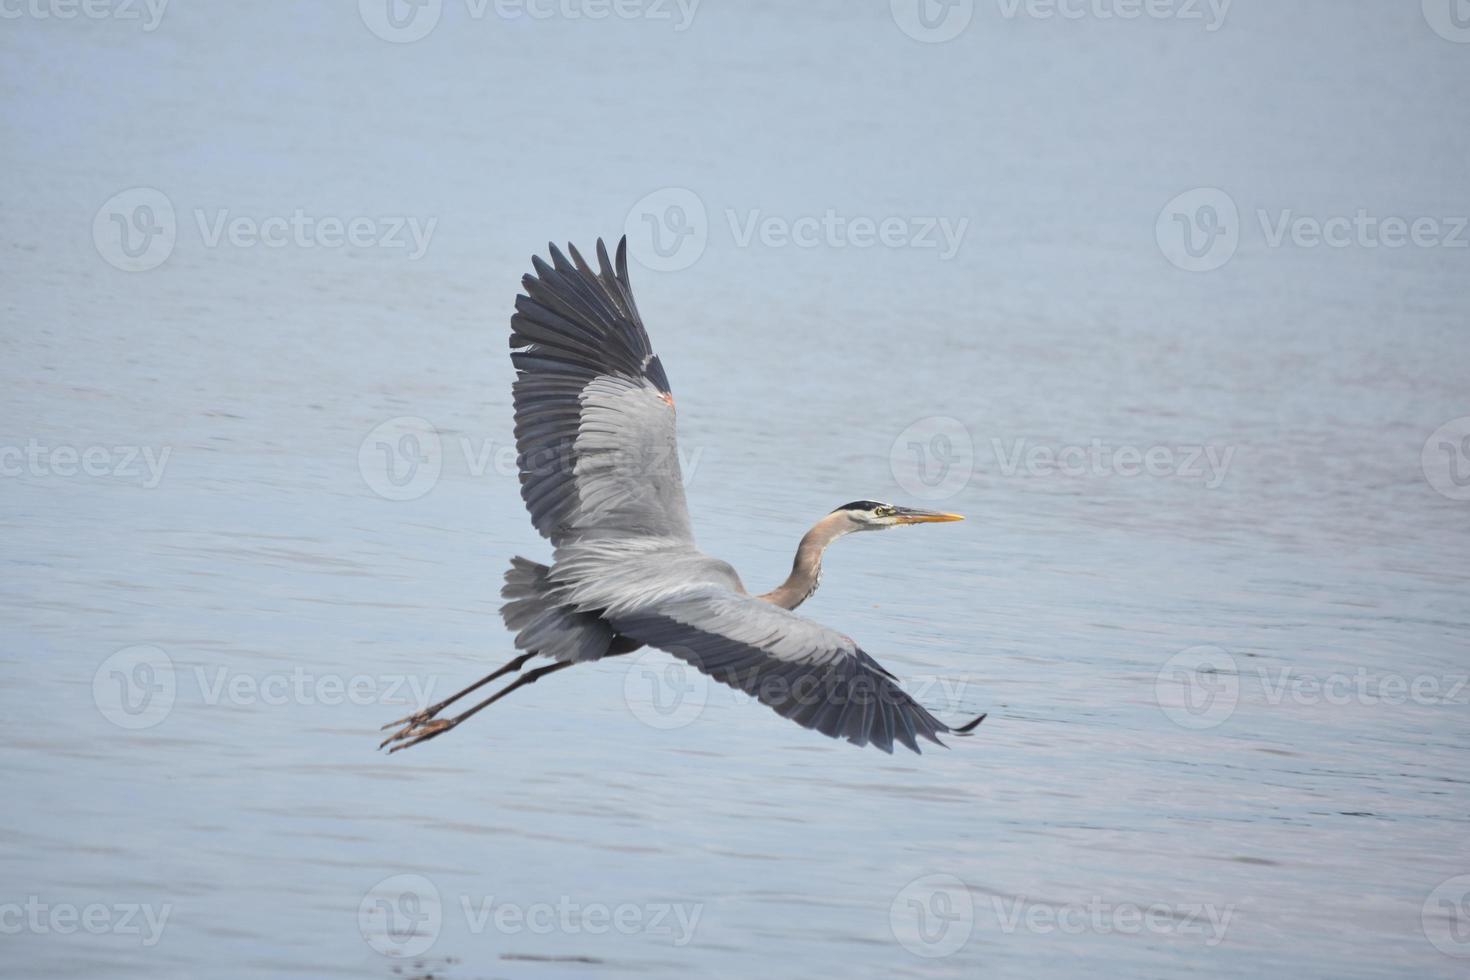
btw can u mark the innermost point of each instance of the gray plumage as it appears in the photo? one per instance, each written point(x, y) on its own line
point(599, 472)
point(595, 432)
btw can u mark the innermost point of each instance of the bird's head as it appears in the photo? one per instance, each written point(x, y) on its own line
point(870, 515)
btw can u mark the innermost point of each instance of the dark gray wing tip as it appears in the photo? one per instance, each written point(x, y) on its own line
point(968, 729)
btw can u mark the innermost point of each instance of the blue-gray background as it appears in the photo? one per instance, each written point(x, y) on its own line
point(1152, 646)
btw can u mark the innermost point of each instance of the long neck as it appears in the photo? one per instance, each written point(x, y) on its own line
point(806, 570)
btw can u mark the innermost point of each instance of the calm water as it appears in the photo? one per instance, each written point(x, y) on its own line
point(1228, 717)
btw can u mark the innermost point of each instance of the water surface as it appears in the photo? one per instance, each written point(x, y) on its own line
point(1262, 822)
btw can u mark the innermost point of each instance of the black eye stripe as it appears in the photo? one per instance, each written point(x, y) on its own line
point(871, 506)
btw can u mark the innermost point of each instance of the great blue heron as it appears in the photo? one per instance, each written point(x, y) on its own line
point(600, 475)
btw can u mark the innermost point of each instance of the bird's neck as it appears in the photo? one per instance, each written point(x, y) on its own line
point(806, 570)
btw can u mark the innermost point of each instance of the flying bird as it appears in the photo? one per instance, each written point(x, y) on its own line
point(599, 472)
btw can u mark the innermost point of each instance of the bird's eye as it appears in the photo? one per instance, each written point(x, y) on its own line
point(883, 512)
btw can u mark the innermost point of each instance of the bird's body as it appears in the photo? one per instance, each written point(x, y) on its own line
point(595, 435)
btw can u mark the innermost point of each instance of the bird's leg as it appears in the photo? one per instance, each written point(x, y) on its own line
point(428, 730)
point(420, 717)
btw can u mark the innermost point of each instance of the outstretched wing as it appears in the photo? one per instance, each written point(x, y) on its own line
point(594, 417)
point(815, 676)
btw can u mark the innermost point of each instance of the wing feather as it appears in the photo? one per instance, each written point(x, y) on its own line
point(813, 675)
point(594, 416)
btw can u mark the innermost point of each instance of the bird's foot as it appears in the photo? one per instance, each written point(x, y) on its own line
point(419, 731)
point(417, 718)
point(411, 725)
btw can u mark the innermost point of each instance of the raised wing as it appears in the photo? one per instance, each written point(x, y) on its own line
point(815, 676)
point(594, 417)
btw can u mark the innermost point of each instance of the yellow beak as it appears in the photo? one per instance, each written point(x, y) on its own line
point(926, 517)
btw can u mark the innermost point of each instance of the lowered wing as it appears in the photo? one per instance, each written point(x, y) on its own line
point(813, 675)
